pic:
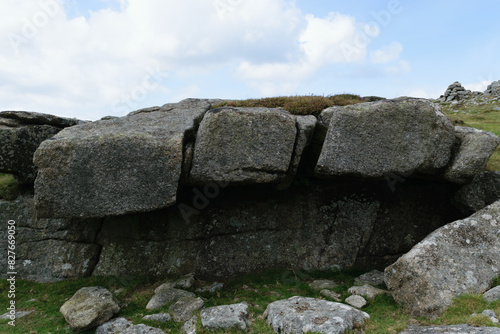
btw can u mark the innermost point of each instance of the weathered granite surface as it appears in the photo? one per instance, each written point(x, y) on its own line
point(116, 166)
point(376, 139)
point(458, 258)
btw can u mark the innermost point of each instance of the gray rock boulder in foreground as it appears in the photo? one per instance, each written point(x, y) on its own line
point(243, 146)
point(89, 308)
point(21, 133)
point(393, 137)
point(458, 258)
point(473, 150)
point(116, 166)
point(454, 329)
point(225, 317)
point(302, 314)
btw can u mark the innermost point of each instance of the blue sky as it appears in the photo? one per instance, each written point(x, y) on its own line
point(88, 59)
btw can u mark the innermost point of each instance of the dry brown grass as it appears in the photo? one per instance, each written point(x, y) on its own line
point(298, 105)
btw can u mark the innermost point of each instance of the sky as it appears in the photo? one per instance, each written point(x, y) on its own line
point(93, 58)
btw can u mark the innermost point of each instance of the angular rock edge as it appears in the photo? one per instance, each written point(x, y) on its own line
point(458, 258)
point(141, 160)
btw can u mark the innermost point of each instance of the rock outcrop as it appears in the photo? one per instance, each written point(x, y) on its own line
point(117, 166)
point(456, 92)
point(324, 225)
point(493, 88)
point(21, 133)
point(361, 141)
point(461, 257)
point(143, 160)
point(184, 188)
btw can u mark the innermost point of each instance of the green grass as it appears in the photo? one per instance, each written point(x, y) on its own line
point(298, 105)
point(462, 309)
point(483, 117)
point(9, 187)
point(257, 290)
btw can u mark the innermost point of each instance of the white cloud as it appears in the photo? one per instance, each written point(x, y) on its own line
point(83, 65)
point(101, 63)
point(478, 86)
point(387, 53)
point(322, 40)
point(389, 56)
point(335, 39)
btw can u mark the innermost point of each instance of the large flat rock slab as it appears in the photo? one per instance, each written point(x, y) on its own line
point(386, 138)
point(116, 166)
point(458, 258)
point(243, 146)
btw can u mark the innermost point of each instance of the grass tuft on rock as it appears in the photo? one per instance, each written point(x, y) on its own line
point(298, 105)
point(9, 187)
